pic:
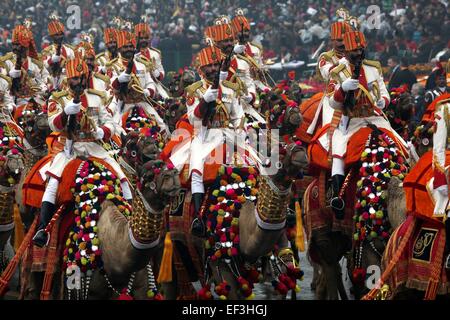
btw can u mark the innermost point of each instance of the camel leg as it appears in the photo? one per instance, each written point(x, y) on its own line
point(315, 279)
point(170, 289)
point(221, 272)
point(340, 283)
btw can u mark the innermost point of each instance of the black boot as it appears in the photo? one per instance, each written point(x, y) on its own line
point(336, 203)
point(198, 227)
point(447, 243)
point(47, 210)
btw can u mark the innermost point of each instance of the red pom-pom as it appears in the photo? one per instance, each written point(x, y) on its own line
point(124, 295)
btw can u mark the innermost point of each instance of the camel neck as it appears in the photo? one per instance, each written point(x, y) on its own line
point(145, 222)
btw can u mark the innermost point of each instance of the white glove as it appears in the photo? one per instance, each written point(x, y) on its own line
point(124, 77)
point(99, 134)
point(103, 69)
point(55, 58)
point(350, 84)
point(381, 104)
point(443, 190)
point(72, 108)
point(248, 98)
point(14, 73)
point(156, 73)
point(10, 108)
point(223, 75)
point(211, 95)
point(239, 48)
point(147, 93)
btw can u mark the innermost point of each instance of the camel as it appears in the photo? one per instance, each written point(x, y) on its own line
point(127, 244)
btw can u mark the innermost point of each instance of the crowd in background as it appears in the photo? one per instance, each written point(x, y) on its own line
point(289, 29)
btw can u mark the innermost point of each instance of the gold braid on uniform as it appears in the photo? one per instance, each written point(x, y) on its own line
point(272, 202)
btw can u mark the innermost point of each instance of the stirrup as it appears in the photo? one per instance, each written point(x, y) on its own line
point(37, 234)
point(336, 208)
point(196, 223)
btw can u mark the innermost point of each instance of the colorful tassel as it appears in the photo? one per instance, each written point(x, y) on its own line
point(299, 237)
point(165, 271)
point(19, 233)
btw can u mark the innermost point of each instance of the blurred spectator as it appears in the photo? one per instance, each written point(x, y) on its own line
point(400, 73)
point(290, 29)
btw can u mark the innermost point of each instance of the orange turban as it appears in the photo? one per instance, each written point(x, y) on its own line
point(76, 67)
point(240, 22)
point(219, 32)
point(55, 27)
point(24, 37)
point(354, 40)
point(124, 38)
point(109, 35)
point(338, 29)
point(142, 29)
point(209, 55)
point(84, 50)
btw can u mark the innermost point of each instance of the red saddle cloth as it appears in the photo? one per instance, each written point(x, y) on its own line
point(418, 199)
point(308, 110)
point(319, 157)
point(420, 265)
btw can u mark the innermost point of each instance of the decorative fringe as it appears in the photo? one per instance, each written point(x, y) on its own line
point(431, 292)
point(299, 236)
point(387, 272)
point(165, 270)
point(19, 233)
point(11, 268)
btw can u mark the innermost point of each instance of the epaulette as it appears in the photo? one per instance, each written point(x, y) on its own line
point(46, 51)
point(7, 79)
point(99, 55)
point(231, 85)
point(439, 104)
point(335, 72)
point(328, 55)
point(6, 57)
point(146, 62)
point(257, 45)
point(190, 90)
point(56, 95)
point(111, 62)
point(37, 62)
point(156, 50)
point(102, 77)
point(246, 59)
point(99, 93)
point(373, 63)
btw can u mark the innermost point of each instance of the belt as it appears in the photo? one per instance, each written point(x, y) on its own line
point(363, 111)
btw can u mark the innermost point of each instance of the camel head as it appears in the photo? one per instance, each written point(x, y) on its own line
point(179, 81)
point(35, 125)
point(293, 162)
point(11, 166)
point(400, 111)
point(283, 114)
point(138, 148)
point(158, 182)
point(175, 109)
point(422, 138)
